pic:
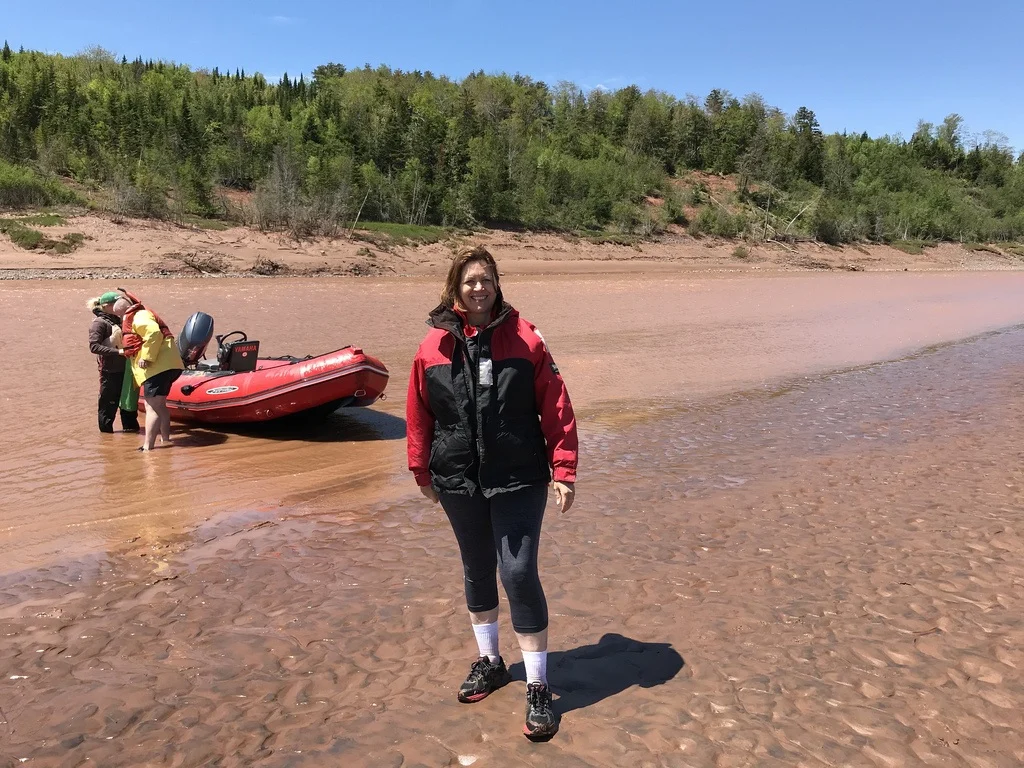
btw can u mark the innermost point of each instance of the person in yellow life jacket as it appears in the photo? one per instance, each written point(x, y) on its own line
point(155, 364)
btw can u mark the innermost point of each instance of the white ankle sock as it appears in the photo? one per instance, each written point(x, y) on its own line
point(487, 640)
point(536, 663)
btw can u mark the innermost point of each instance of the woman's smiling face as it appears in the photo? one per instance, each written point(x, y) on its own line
point(477, 291)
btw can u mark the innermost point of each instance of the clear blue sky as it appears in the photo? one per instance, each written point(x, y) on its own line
point(875, 66)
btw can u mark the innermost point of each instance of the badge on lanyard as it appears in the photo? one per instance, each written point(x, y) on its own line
point(485, 379)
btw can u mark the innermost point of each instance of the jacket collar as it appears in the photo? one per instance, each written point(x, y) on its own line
point(112, 319)
point(447, 319)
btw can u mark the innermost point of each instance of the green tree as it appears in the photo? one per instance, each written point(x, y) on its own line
point(497, 148)
point(809, 154)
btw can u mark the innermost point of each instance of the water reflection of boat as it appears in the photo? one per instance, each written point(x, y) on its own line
point(243, 387)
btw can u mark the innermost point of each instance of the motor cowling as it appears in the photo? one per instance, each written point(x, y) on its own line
point(194, 337)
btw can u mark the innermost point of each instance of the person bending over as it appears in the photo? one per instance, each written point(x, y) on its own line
point(155, 364)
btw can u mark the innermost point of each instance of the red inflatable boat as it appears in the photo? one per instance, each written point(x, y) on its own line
point(242, 387)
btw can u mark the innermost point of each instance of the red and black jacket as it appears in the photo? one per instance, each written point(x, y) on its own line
point(489, 412)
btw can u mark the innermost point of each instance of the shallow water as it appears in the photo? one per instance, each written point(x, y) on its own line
point(625, 345)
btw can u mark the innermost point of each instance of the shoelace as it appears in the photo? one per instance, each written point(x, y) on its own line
point(478, 671)
point(539, 700)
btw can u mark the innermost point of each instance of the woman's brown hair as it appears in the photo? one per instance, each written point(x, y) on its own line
point(450, 292)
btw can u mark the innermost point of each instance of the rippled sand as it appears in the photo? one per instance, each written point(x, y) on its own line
point(769, 563)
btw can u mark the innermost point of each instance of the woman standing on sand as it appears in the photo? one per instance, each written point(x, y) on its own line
point(104, 342)
point(489, 418)
point(156, 363)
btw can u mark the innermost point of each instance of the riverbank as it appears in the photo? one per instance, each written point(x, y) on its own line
point(113, 248)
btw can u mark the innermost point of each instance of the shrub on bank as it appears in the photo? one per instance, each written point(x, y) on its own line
point(21, 187)
point(34, 240)
point(913, 247)
point(717, 221)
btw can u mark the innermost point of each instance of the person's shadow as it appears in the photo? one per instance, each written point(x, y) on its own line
point(590, 673)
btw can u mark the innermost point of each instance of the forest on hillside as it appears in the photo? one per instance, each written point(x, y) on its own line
point(313, 155)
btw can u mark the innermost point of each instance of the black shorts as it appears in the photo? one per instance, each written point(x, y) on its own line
point(160, 384)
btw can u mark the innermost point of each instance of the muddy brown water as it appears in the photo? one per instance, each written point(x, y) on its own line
point(625, 344)
point(797, 541)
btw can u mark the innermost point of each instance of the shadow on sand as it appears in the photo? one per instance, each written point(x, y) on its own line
point(591, 673)
point(189, 437)
point(342, 426)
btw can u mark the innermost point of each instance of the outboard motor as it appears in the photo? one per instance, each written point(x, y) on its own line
point(238, 355)
point(194, 336)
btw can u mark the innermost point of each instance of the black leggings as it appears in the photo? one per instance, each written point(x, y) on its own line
point(110, 394)
point(502, 533)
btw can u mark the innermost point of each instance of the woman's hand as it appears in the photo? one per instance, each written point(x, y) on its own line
point(565, 493)
point(143, 364)
point(430, 493)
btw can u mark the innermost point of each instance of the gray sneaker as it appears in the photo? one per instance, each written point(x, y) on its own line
point(541, 720)
point(484, 679)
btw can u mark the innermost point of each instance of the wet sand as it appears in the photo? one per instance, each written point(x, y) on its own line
point(784, 552)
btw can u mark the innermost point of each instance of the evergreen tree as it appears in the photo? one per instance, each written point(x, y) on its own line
point(809, 155)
